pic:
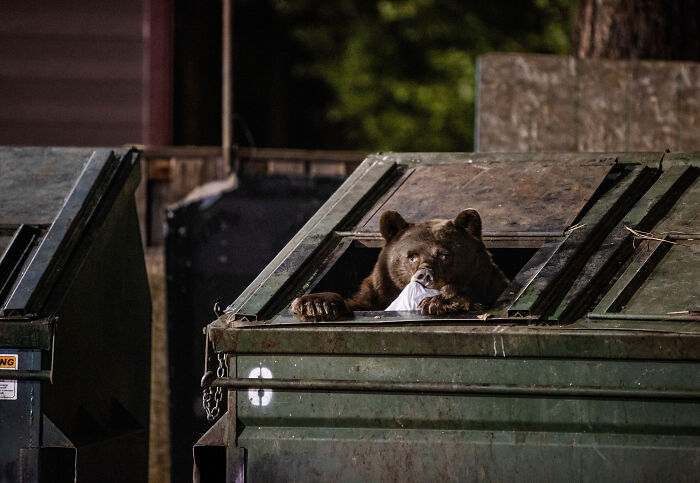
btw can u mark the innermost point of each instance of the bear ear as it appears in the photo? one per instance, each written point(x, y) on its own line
point(390, 224)
point(471, 221)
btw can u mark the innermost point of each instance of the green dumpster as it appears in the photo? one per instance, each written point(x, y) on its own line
point(74, 317)
point(585, 369)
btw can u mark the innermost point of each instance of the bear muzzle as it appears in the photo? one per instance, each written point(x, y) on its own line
point(425, 277)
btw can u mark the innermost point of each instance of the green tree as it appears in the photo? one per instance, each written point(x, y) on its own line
point(402, 73)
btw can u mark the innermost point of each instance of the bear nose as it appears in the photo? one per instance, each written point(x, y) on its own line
point(424, 276)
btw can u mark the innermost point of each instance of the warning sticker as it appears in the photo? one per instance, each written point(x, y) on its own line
point(8, 388)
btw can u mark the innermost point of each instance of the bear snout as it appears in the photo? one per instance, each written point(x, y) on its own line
point(425, 277)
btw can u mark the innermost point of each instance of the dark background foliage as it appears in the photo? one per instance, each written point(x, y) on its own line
point(353, 74)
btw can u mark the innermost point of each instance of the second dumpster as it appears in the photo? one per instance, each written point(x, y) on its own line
point(75, 317)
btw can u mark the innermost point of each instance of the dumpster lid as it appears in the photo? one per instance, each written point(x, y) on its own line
point(528, 196)
point(583, 216)
point(524, 199)
point(49, 197)
point(611, 268)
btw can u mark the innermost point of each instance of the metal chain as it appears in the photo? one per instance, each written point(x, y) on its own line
point(221, 371)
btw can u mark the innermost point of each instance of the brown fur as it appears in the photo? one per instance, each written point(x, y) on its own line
point(453, 252)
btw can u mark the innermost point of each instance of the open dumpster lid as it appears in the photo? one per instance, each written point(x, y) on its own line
point(536, 197)
point(49, 198)
point(583, 227)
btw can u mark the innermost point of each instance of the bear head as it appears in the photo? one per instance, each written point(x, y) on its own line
point(434, 253)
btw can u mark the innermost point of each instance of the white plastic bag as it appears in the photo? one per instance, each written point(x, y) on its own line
point(411, 296)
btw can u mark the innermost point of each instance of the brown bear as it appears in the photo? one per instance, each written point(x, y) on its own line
point(447, 255)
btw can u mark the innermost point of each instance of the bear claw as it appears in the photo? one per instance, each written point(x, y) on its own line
point(439, 304)
point(319, 307)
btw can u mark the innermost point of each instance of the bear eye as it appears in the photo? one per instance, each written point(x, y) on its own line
point(412, 258)
point(444, 256)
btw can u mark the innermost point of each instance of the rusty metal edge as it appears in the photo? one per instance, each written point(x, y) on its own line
point(411, 387)
point(604, 339)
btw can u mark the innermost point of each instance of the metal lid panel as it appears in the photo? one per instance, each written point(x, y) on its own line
point(512, 197)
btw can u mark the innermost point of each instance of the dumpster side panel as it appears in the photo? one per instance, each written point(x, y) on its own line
point(364, 454)
point(100, 398)
point(20, 421)
point(538, 388)
point(413, 437)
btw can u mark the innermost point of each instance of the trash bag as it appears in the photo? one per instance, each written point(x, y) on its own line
point(411, 296)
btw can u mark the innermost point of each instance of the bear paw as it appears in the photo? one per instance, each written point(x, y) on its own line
point(325, 306)
point(441, 304)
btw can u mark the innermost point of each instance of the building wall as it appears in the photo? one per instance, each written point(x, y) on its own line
point(71, 72)
point(553, 103)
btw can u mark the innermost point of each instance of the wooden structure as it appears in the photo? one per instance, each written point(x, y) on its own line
point(553, 103)
point(86, 74)
point(170, 173)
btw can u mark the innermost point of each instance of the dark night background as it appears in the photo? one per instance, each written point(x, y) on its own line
point(350, 75)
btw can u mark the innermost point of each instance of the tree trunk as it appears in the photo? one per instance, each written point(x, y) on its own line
point(638, 29)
